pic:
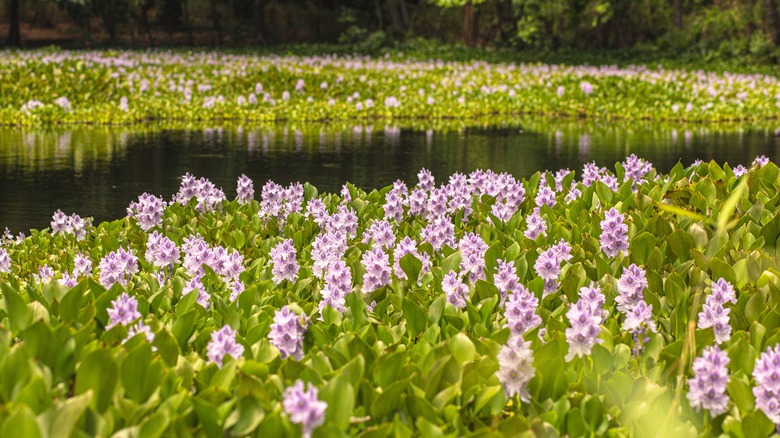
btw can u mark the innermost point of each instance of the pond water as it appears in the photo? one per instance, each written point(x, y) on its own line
point(97, 172)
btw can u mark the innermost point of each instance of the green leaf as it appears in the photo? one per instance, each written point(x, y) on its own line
point(757, 424)
point(140, 375)
point(155, 425)
point(681, 243)
point(340, 396)
point(250, 415)
point(740, 392)
point(461, 347)
point(21, 423)
point(66, 417)
point(99, 373)
point(730, 205)
point(19, 314)
point(641, 247)
point(415, 317)
point(411, 266)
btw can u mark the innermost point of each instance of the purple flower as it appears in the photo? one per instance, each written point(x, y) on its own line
point(637, 322)
point(536, 225)
point(245, 190)
point(631, 285)
point(418, 202)
point(739, 171)
point(209, 197)
point(287, 333)
point(714, 314)
point(381, 234)
point(516, 367)
point(82, 265)
point(338, 283)
point(68, 280)
point(5, 261)
point(457, 292)
point(64, 224)
point(327, 248)
point(761, 161)
point(614, 238)
point(473, 249)
point(124, 311)
point(377, 265)
point(708, 385)
point(59, 223)
point(45, 273)
point(223, 343)
point(560, 175)
point(283, 259)
point(636, 169)
point(236, 288)
point(161, 251)
point(545, 195)
point(520, 312)
point(139, 328)
point(426, 179)
point(117, 267)
point(547, 265)
point(585, 319)
point(304, 407)
point(196, 285)
point(767, 390)
point(439, 232)
point(148, 211)
point(506, 279)
point(395, 200)
point(586, 87)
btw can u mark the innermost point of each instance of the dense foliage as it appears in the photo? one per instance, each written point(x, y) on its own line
point(614, 303)
point(718, 28)
point(123, 87)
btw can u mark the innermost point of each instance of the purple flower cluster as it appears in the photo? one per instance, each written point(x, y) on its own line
point(343, 221)
point(708, 385)
point(592, 173)
point(198, 253)
point(161, 252)
point(559, 176)
point(45, 273)
point(516, 364)
point(472, 249)
point(196, 285)
point(457, 292)
point(377, 265)
point(381, 234)
point(117, 267)
point(338, 283)
point(585, 319)
point(278, 202)
point(636, 168)
point(548, 265)
point(245, 191)
point(326, 249)
point(614, 233)
point(5, 261)
point(520, 311)
point(714, 314)
point(209, 197)
point(535, 225)
point(426, 179)
point(223, 343)
point(439, 232)
point(304, 407)
point(73, 224)
point(287, 333)
point(148, 211)
point(545, 195)
point(123, 312)
point(395, 200)
point(630, 301)
point(409, 246)
point(767, 390)
point(283, 259)
point(506, 279)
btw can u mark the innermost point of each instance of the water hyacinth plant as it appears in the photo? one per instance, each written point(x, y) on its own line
point(120, 87)
point(639, 304)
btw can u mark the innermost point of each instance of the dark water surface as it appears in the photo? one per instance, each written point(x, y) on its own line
point(97, 172)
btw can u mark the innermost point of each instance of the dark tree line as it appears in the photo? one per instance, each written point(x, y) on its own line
point(730, 25)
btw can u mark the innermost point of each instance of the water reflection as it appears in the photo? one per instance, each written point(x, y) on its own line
point(98, 171)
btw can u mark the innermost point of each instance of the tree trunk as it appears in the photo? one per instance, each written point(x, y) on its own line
point(677, 13)
point(14, 34)
point(469, 24)
point(772, 21)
